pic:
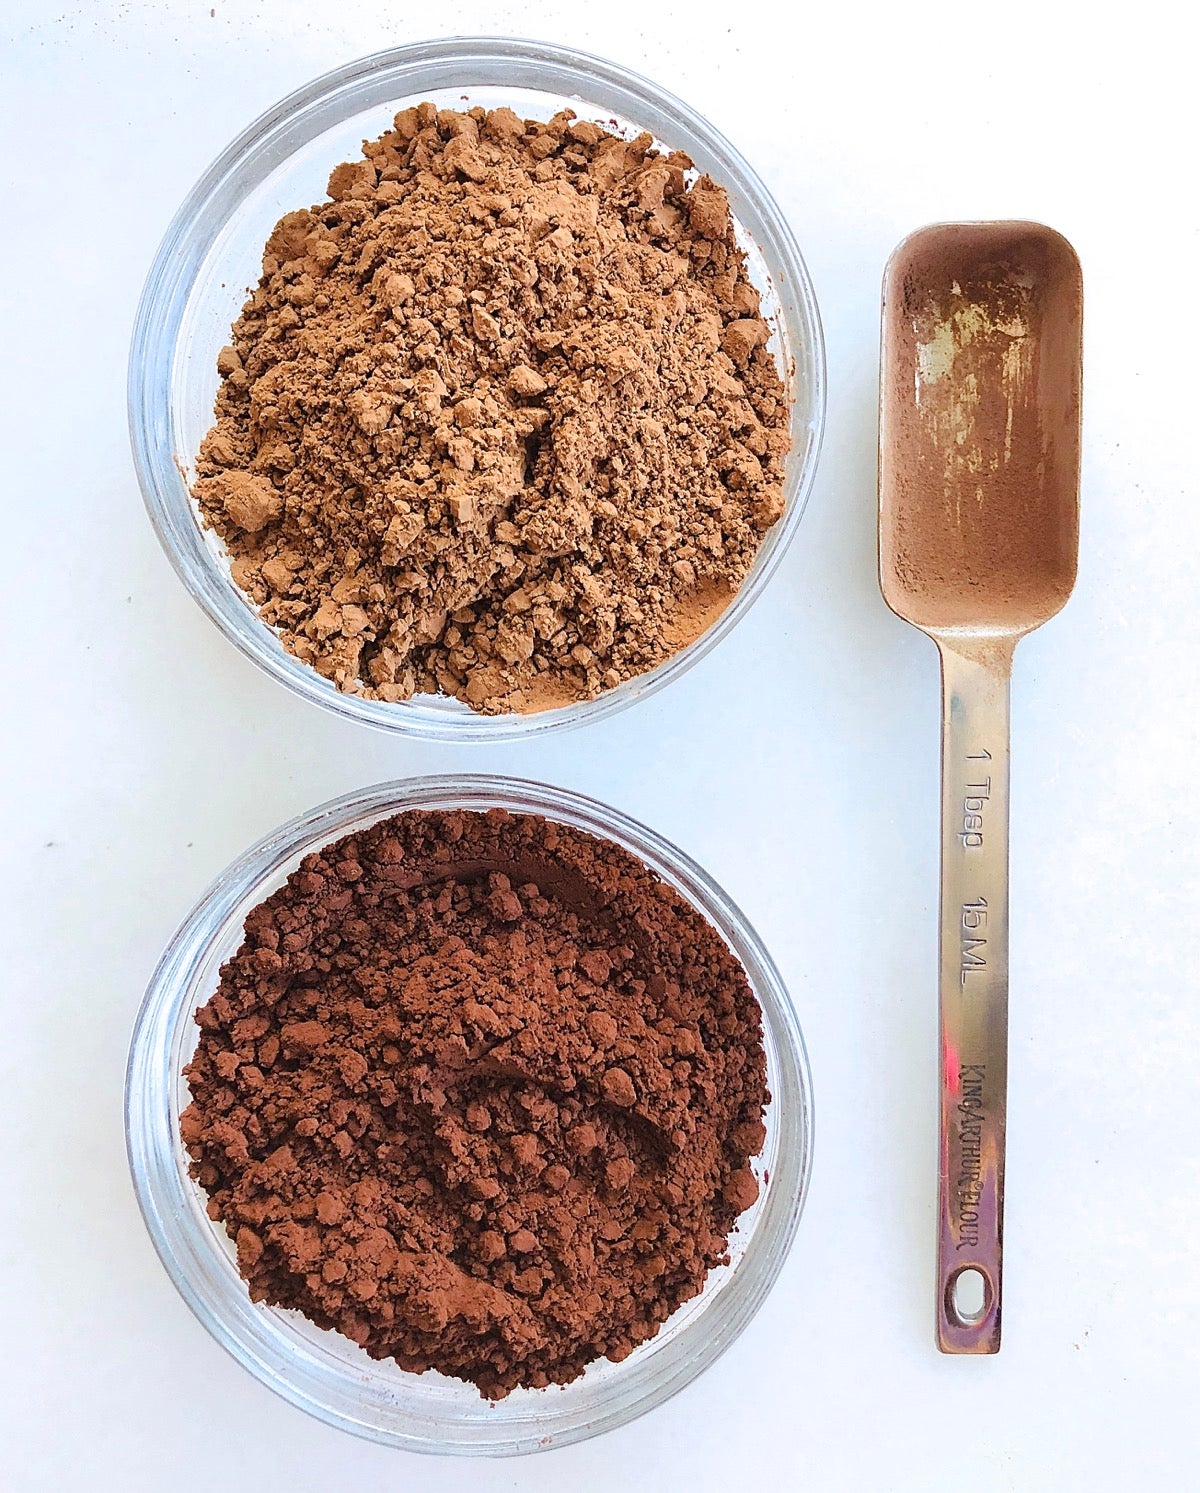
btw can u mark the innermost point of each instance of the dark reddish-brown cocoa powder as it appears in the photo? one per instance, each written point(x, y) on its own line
point(481, 1092)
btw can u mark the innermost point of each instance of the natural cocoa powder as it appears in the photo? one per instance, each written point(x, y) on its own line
point(481, 1092)
point(500, 419)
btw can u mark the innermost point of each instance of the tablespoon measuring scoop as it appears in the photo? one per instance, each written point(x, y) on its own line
point(978, 541)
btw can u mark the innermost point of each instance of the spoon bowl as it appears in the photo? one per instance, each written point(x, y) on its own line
point(979, 430)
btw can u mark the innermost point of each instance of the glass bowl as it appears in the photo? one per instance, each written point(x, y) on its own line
point(211, 255)
point(325, 1373)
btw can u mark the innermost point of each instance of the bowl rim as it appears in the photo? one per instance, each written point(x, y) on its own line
point(249, 1333)
point(197, 225)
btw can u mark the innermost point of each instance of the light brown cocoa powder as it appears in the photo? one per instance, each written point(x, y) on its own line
point(500, 420)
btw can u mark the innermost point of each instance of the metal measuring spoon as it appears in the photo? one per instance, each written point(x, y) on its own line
point(978, 541)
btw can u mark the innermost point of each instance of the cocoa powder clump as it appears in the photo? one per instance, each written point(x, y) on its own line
point(480, 1092)
point(500, 420)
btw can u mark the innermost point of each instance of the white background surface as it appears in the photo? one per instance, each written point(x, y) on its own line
point(798, 763)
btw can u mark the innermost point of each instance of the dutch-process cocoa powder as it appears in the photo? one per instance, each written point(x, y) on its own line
point(480, 1092)
point(500, 420)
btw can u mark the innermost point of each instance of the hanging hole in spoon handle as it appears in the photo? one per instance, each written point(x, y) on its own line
point(969, 1296)
point(969, 1312)
point(973, 1003)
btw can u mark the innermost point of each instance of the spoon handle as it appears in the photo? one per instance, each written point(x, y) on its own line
point(973, 1007)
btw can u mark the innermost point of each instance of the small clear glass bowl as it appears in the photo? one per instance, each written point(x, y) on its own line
point(211, 256)
point(324, 1372)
